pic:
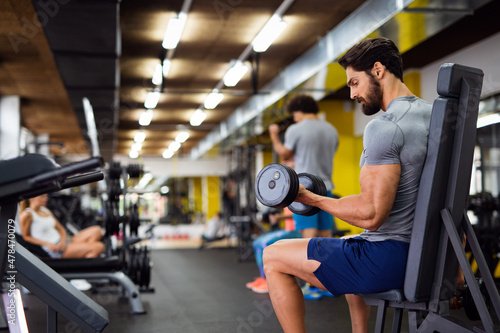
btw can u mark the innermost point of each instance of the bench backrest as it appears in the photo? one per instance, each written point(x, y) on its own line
point(445, 179)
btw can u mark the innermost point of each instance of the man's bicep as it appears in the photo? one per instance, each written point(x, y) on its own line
point(379, 184)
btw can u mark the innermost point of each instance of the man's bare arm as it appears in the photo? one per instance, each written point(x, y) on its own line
point(370, 208)
point(283, 152)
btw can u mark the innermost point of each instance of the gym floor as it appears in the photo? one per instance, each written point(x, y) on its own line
point(198, 291)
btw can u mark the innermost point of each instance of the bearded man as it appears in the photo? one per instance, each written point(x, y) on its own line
point(394, 150)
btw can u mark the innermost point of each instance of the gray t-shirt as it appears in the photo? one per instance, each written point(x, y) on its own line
point(314, 143)
point(399, 135)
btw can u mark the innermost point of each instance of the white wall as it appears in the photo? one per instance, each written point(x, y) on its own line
point(179, 167)
point(10, 126)
point(484, 55)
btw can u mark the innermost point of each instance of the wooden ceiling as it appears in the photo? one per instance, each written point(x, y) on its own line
point(213, 35)
point(28, 69)
point(91, 46)
point(107, 51)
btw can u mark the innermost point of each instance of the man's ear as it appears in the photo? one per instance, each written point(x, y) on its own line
point(378, 70)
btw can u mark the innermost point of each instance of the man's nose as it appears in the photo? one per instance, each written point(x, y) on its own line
point(354, 94)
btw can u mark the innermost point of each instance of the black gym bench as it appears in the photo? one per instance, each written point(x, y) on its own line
point(26, 177)
point(109, 268)
point(436, 246)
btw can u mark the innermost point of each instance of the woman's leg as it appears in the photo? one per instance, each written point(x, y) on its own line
point(83, 250)
point(283, 261)
point(90, 234)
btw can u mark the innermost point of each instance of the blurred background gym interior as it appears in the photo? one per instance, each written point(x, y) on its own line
point(182, 142)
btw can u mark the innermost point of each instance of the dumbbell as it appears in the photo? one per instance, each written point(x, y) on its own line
point(277, 186)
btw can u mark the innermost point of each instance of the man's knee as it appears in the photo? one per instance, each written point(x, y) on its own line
point(271, 254)
point(268, 253)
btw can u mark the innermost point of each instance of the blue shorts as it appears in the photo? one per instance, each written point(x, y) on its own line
point(320, 221)
point(355, 265)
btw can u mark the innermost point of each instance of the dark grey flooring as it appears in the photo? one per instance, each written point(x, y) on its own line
point(202, 291)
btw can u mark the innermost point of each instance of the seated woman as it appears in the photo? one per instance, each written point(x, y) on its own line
point(40, 227)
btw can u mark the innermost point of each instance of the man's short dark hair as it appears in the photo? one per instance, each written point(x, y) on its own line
point(304, 103)
point(362, 56)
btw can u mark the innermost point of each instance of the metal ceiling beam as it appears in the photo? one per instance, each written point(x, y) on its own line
point(442, 10)
point(364, 20)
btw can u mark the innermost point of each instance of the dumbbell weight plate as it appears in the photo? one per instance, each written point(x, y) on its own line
point(132, 264)
point(322, 187)
point(145, 270)
point(276, 185)
point(115, 170)
point(313, 184)
point(134, 170)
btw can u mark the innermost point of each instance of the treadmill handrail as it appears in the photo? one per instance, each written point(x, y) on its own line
point(68, 170)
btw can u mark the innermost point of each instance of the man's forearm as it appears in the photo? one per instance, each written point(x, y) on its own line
point(352, 209)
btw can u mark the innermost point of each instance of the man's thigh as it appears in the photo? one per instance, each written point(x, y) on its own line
point(289, 256)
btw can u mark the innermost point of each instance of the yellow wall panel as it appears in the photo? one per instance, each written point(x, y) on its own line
point(336, 77)
point(411, 27)
point(213, 196)
point(267, 157)
point(412, 81)
point(198, 195)
point(346, 163)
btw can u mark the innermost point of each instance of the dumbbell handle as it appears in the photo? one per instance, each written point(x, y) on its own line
point(314, 184)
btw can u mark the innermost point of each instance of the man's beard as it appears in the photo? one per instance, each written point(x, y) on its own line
point(373, 101)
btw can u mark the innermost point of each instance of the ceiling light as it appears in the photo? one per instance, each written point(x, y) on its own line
point(137, 146)
point(146, 178)
point(164, 189)
point(146, 117)
point(140, 136)
point(174, 31)
point(167, 153)
point(133, 154)
point(488, 120)
point(213, 100)
point(268, 34)
point(158, 75)
point(166, 67)
point(174, 146)
point(235, 73)
point(198, 117)
point(91, 128)
point(182, 136)
point(152, 100)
